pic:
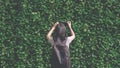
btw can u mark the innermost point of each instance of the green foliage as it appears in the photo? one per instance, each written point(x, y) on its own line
point(25, 23)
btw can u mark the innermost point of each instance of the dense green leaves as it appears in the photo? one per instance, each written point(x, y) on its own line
point(25, 23)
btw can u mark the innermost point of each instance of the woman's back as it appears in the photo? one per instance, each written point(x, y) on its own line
point(62, 52)
point(60, 57)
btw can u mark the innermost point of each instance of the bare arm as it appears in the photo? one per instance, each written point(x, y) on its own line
point(71, 30)
point(51, 31)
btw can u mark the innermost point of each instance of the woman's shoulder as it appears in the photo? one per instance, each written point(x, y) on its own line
point(69, 40)
point(51, 40)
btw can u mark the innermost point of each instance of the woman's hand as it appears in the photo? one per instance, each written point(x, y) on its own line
point(56, 24)
point(69, 23)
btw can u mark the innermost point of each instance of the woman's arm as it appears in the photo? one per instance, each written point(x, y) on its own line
point(71, 30)
point(51, 31)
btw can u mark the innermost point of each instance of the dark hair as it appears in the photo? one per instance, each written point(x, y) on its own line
point(60, 42)
point(60, 34)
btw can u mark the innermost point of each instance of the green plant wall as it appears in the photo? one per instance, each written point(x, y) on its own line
point(25, 23)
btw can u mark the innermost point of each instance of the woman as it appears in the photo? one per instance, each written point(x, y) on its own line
point(60, 56)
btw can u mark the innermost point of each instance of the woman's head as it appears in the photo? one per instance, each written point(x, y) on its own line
point(60, 31)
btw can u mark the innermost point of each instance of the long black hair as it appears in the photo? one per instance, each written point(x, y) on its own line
point(60, 34)
point(60, 48)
